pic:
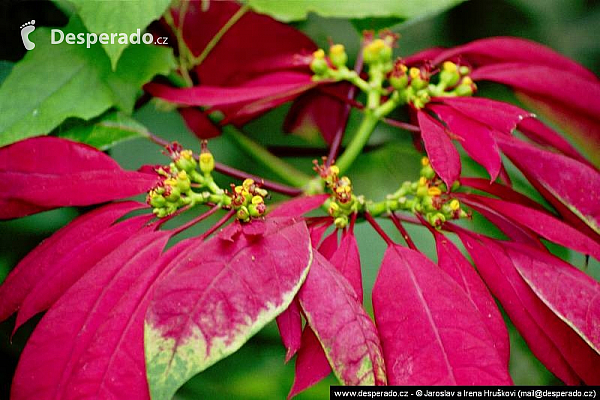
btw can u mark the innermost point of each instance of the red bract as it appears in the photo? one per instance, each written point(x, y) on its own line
point(248, 71)
point(219, 294)
point(431, 332)
point(43, 173)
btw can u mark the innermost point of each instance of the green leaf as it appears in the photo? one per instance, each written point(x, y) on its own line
point(107, 131)
point(55, 82)
point(118, 17)
point(287, 11)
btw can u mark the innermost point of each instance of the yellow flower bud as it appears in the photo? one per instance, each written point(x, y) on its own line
point(422, 181)
point(257, 200)
point(334, 170)
point(414, 73)
point(247, 183)
point(319, 54)
point(454, 205)
point(207, 162)
point(424, 161)
point(449, 66)
point(434, 191)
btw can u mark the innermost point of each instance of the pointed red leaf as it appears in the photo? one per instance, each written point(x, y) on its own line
point(312, 365)
point(552, 341)
point(218, 296)
point(197, 121)
point(510, 49)
point(501, 191)
point(423, 55)
point(64, 333)
point(320, 111)
point(278, 83)
point(442, 154)
point(28, 273)
point(344, 329)
point(454, 263)
point(535, 130)
point(575, 184)
point(289, 323)
point(501, 116)
point(543, 224)
point(476, 139)
point(317, 232)
point(564, 87)
point(568, 292)
point(347, 260)
point(113, 365)
point(298, 206)
point(42, 173)
point(511, 229)
point(243, 51)
point(329, 244)
point(431, 332)
point(68, 269)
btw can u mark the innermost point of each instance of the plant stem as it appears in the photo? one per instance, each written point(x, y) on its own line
point(378, 229)
point(281, 168)
point(343, 118)
point(269, 185)
point(359, 141)
point(403, 231)
point(196, 220)
point(213, 42)
point(219, 224)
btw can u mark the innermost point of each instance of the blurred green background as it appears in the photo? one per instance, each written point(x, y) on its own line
point(257, 371)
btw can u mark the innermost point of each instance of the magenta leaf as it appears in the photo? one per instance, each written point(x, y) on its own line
point(43, 259)
point(431, 332)
point(476, 138)
point(344, 329)
point(454, 263)
point(536, 131)
point(510, 49)
point(569, 89)
point(510, 228)
point(543, 224)
point(501, 191)
point(329, 245)
point(244, 51)
point(198, 122)
point(42, 173)
point(320, 111)
point(299, 206)
point(442, 154)
point(346, 259)
point(289, 323)
point(113, 365)
point(552, 341)
point(68, 269)
point(498, 115)
point(560, 175)
point(568, 292)
point(278, 83)
point(312, 365)
point(217, 296)
point(65, 332)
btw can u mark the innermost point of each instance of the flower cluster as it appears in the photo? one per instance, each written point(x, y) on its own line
point(186, 182)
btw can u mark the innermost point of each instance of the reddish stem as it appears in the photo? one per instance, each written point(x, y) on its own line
point(267, 184)
point(402, 125)
point(196, 220)
point(403, 231)
point(219, 224)
point(343, 117)
point(378, 229)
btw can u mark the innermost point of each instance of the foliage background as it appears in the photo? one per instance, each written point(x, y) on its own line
point(257, 370)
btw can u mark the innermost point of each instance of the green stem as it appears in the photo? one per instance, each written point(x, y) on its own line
point(213, 42)
point(282, 169)
point(359, 141)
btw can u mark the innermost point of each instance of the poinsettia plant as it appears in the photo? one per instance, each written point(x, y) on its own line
point(132, 310)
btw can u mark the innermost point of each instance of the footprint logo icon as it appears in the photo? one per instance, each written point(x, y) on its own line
point(26, 29)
